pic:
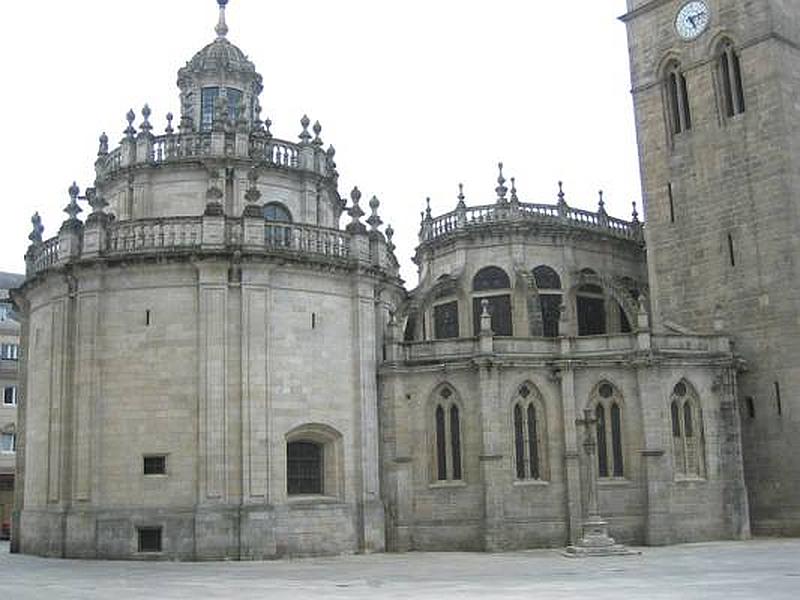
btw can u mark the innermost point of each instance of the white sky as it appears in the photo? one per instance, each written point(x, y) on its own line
point(417, 96)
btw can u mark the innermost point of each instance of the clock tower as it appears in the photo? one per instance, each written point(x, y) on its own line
point(714, 86)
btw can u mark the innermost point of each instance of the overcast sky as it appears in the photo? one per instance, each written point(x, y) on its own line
point(417, 96)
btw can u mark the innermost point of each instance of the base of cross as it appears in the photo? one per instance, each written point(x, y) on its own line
point(597, 542)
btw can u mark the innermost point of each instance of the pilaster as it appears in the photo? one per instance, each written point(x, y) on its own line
point(566, 375)
point(371, 509)
point(212, 392)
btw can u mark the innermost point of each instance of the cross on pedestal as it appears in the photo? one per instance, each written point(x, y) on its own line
point(595, 540)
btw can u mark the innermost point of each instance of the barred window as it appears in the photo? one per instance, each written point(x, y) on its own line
point(304, 468)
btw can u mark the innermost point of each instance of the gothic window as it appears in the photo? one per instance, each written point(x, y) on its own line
point(730, 77)
point(447, 437)
point(548, 283)
point(488, 280)
point(608, 432)
point(304, 468)
point(687, 431)
point(529, 435)
point(677, 93)
point(445, 320)
point(591, 306)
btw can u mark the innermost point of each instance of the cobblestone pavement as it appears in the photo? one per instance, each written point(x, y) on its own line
point(730, 570)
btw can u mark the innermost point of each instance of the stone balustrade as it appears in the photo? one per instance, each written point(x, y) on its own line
point(571, 348)
point(152, 150)
point(475, 216)
point(104, 238)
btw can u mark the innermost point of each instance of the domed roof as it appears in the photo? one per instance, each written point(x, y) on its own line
point(221, 54)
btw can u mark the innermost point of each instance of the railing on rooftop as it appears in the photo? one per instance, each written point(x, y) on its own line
point(172, 147)
point(466, 218)
point(176, 235)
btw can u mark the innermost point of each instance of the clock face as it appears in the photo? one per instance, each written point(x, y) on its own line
point(692, 19)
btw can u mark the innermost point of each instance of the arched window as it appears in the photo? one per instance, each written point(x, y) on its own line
point(548, 283)
point(486, 281)
point(277, 213)
point(304, 468)
point(490, 278)
point(730, 79)
point(687, 431)
point(591, 307)
point(278, 233)
point(546, 278)
point(677, 96)
point(447, 437)
point(314, 461)
point(529, 435)
point(608, 432)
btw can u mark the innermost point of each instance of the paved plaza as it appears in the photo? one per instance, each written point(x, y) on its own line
point(729, 570)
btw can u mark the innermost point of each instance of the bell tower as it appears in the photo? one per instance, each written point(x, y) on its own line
point(714, 86)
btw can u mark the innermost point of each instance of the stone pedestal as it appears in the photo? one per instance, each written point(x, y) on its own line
point(596, 541)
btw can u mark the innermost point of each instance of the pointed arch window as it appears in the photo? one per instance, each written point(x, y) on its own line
point(730, 79)
point(608, 432)
point(529, 435)
point(687, 432)
point(677, 96)
point(447, 437)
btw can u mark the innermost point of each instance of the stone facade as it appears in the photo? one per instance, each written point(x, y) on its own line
point(721, 202)
point(9, 362)
point(215, 369)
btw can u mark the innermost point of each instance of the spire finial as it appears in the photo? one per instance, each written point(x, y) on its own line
point(501, 188)
point(222, 26)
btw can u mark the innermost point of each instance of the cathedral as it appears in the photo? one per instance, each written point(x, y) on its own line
point(220, 361)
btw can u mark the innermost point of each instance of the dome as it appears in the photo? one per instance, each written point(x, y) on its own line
point(221, 55)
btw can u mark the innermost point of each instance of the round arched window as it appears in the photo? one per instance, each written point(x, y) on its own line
point(277, 212)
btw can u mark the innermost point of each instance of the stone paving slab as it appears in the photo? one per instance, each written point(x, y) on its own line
point(729, 570)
